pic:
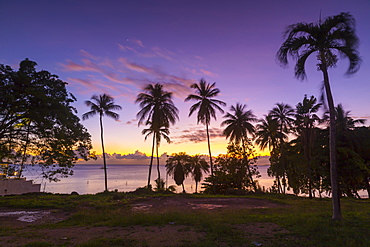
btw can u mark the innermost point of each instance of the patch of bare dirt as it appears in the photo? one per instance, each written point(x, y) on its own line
point(159, 204)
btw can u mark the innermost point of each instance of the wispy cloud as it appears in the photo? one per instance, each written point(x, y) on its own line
point(121, 73)
point(196, 135)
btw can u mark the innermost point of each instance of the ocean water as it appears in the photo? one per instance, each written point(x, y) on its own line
point(89, 179)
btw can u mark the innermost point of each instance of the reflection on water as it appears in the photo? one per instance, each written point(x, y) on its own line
point(89, 179)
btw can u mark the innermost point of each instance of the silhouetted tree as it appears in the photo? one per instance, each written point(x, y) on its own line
point(238, 127)
point(38, 124)
point(206, 107)
point(268, 135)
point(102, 105)
point(178, 165)
point(198, 165)
point(158, 111)
point(335, 35)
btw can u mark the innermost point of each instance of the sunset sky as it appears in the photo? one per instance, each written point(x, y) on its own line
point(118, 47)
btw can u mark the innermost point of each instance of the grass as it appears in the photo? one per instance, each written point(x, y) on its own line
point(297, 222)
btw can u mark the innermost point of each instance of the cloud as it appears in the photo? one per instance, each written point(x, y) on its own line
point(121, 75)
point(197, 134)
point(135, 156)
point(209, 73)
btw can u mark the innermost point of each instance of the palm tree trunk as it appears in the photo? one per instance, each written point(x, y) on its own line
point(210, 161)
point(196, 187)
point(151, 162)
point(183, 188)
point(159, 172)
point(337, 214)
point(102, 146)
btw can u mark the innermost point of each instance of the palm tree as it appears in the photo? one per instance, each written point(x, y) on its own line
point(178, 165)
point(158, 111)
point(104, 106)
point(328, 39)
point(237, 129)
point(198, 165)
point(158, 134)
point(284, 115)
point(206, 107)
point(306, 119)
point(268, 135)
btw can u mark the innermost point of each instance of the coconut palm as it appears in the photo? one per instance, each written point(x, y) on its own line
point(158, 111)
point(198, 165)
point(238, 127)
point(284, 114)
point(306, 121)
point(328, 39)
point(206, 107)
point(268, 135)
point(103, 105)
point(178, 165)
point(158, 134)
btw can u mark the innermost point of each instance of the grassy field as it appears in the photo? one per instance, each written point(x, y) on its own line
point(294, 221)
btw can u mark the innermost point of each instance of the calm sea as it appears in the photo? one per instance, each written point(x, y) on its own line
point(89, 179)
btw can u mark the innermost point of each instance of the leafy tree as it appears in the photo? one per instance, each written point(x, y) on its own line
point(158, 111)
point(198, 165)
point(238, 127)
point(38, 124)
point(329, 38)
point(179, 166)
point(231, 171)
point(102, 105)
point(206, 107)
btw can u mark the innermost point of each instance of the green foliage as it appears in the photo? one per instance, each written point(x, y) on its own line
point(233, 170)
point(38, 124)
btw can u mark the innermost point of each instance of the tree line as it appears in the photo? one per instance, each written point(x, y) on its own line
point(37, 118)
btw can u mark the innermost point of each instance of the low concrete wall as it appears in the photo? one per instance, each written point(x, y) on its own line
point(17, 187)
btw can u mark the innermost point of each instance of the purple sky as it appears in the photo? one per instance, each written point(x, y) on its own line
point(117, 47)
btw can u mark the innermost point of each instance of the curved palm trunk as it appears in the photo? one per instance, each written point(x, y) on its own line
point(337, 214)
point(102, 146)
point(210, 161)
point(151, 162)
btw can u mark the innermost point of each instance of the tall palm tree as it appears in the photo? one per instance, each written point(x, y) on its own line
point(268, 135)
point(198, 165)
point(158, 134)
point(238, 127)
point(328, 39)
point(158, 111)
point(206, 107)
point(103, 105)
